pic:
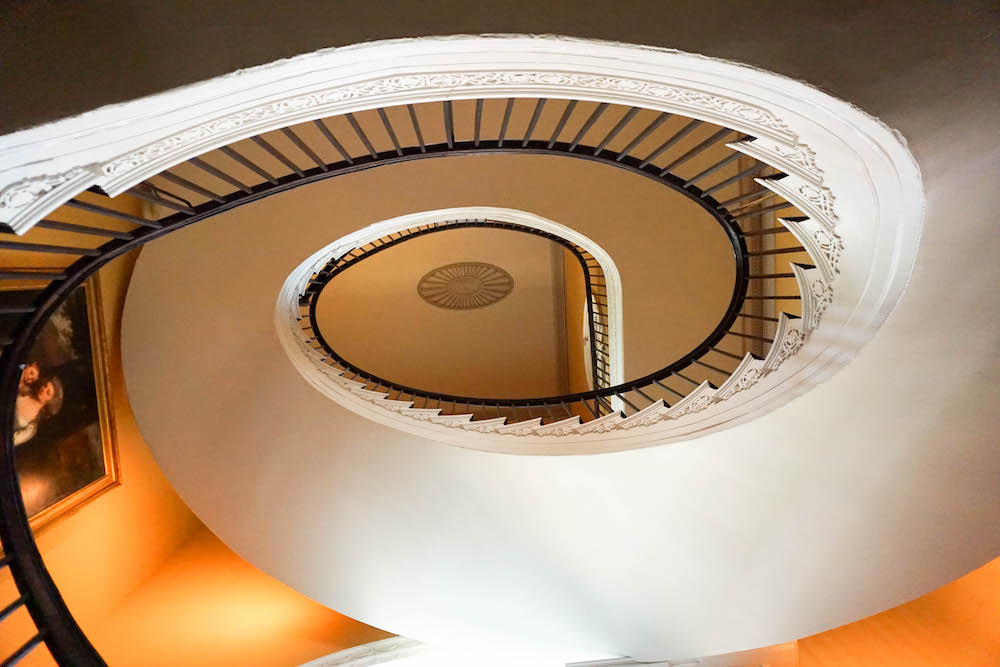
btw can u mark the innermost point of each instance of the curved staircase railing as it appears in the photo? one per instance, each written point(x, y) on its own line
point(595, 296)
point(736, 190)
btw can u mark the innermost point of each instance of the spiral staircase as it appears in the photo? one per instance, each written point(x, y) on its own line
point(777, 210)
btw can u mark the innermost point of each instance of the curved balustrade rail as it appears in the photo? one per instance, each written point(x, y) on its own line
point(690, 156)
point(595, 290)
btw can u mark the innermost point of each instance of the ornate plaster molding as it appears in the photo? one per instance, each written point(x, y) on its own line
point(25, 202)
point(853, 175)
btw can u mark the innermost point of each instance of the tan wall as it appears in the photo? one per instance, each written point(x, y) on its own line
point(958, 624)
point(576, 308)
point(373, 316)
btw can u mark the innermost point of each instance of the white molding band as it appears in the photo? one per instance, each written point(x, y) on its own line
point(854, 177)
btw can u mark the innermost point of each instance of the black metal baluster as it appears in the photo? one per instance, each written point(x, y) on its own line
point(416, 127)
point(756, 194)
point(766, 209)
point(82, 229)
point(666, 145)
point(727, 354)
point(333, 141)
point(768, 231)
point(644, 395)
point(685, 378)
point(659, 120)
point(696, 150)
point(751, 336)
point(506, 120)
point(361, 135)
point(776, 297)
point(757, 168)
point(619, 126)
point(275, 153)
point(767, 276)
point(567, 112)
point(478, 122)
point(757, 317)
point(776, 251)
point(587, 125)
point(193, 187)
point(449, 123)
point(111, 213)
point(712, 368)
point(302, 146)
point(627, 402)
point(24, 650)
point(389, 131)
point(534, 121)
point(714, 168)
point(672, 391)
point(238, 157)
point(218, 173)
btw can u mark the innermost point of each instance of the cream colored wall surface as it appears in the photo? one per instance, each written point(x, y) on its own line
point(208, 607)
point(372, 315)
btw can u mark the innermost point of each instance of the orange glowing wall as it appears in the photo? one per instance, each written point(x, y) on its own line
point(958, 624)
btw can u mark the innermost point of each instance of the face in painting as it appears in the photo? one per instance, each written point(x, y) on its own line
point(28, 375)
point(46, 392)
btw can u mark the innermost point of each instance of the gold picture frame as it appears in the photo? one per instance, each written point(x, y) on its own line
point(110, 476)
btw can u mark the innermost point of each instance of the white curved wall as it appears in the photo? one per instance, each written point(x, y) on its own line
point(838, 505)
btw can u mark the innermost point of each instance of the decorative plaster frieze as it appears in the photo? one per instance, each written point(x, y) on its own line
point(815, 201)
point(746, 375)
point(816, 295)
point(698, 400)
point(824, 248)
point(798, 159)
point(788, 340)
point(225, 129)
point(25, 202)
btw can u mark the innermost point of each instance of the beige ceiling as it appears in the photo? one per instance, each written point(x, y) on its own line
point(372, 315)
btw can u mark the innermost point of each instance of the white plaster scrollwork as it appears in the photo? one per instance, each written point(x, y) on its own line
point(26, 201)
point(815, 201)
point(816, 295)
point(247, 122)
point(745, 376)
point(798, 159)
point(825, 249)
point(788, 340)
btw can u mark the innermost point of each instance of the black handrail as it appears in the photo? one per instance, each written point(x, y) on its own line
point(55, 625)
point(338, 265)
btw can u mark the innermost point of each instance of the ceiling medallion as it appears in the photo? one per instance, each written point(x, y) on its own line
point(465, 285)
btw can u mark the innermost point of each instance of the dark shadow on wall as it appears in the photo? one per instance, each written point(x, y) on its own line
point(62, 58)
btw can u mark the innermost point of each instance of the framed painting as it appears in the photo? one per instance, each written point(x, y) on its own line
point(64, 435)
